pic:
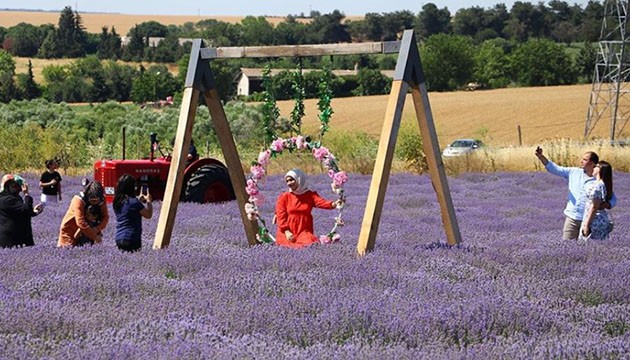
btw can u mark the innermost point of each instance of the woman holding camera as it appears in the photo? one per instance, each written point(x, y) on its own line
point(129, 211)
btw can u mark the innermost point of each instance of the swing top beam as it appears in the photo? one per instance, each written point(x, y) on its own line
point(385, 47)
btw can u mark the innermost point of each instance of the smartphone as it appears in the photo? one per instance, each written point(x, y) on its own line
point(145, 189)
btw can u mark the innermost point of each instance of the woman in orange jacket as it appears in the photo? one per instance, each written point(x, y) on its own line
point(74, 223)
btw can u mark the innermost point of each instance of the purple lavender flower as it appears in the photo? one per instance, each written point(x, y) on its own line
point(513, 289)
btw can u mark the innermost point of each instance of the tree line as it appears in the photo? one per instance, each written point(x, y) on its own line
point(528, 45)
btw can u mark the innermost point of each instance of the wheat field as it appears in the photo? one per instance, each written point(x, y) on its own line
point(94, 22)
point(543, 113)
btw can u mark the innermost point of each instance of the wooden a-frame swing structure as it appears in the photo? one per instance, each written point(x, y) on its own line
point(408, 75)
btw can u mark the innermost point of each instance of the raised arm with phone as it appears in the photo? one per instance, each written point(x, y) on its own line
point(129, 210)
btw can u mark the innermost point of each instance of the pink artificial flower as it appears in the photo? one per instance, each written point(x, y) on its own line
point(336, 238)
point(258, 172)
point(324, 239)
point(300, 142)
point(340, 178)
point(263, 157)
point(257, 199)
point(277, 145)
point(251, 188)
point(321, 153)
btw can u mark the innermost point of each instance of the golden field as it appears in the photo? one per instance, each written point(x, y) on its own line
point(94, 22)
point(544, 114)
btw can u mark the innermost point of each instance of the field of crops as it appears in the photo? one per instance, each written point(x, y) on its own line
point(543, 113)
point(513, 289)
point(94, 22)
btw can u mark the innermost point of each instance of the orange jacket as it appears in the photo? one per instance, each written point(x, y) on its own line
point(75, 220)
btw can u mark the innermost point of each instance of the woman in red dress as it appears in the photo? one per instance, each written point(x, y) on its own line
point(293, 211)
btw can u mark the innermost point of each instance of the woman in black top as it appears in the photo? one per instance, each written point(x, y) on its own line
point(50, 183)
point(16, 213)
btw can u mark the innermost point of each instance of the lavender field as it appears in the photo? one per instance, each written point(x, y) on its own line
point(512, 290)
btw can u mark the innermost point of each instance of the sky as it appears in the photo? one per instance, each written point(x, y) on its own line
point(255, 7)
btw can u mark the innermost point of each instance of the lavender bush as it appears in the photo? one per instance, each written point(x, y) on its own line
point(512, 290)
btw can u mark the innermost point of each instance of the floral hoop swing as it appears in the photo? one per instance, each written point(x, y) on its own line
point(280, 145)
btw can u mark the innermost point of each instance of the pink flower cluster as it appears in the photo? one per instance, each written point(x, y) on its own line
point(327, 239)
point(338, 178)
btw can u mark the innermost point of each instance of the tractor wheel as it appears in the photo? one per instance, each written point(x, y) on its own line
point(209, 184)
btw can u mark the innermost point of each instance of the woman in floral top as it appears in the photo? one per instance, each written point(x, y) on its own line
point(596, 223)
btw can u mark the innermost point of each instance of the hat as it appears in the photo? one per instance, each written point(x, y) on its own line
point(18, 179)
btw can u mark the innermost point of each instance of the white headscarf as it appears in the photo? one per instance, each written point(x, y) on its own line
point(300, 179)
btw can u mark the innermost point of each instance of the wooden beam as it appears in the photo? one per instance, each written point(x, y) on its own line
point(175, 179)
point(232, 159)
point(382, 167)
point(431, 148)
point(387, 47)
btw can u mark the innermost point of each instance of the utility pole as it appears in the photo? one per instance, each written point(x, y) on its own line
point(610, 94)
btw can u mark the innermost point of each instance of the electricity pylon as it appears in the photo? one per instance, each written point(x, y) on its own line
point(610, 94)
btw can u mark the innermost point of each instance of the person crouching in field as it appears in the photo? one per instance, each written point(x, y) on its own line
point(129, 211)
point(75, 223)
point(293, 211)
point(596, 222)
point(94, 217)
point(16, 213)
point(577, 178)
point(50, 183)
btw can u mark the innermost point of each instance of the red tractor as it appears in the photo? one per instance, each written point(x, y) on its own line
point(205, 180)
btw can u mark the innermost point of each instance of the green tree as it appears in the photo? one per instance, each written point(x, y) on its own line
point(7, 71)
point(492, 64)
point(7, 64)
point(468, 21)
point(108, 45)
point(590, 28)
point(540, 62)
point(290, 32)
point(22, 40)
point(372, 82)
point(585, 62)
point(220, 33)
point(329, 28)
point(432, 20)
point(134, 50)
point(26, 85)
point(256, 31)
point(168, 50)
point(71, 36)
point(119, 80)
point(448, 61)
point(395, 23)
point(151, 28)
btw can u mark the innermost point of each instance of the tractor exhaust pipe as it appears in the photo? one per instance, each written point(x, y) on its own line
point(154, 144)
point(124, 141)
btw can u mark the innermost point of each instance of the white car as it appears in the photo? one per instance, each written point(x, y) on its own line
point(461, 147)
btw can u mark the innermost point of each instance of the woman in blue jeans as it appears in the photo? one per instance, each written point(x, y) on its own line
point(129, 211)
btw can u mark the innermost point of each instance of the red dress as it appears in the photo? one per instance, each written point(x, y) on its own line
point(293, 213)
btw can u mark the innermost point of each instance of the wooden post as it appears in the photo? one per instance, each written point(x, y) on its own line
point(232, 160)
point(382, 167)
point(408, 73)
point(520, 137)
point(431, 149)
point(175, 178)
